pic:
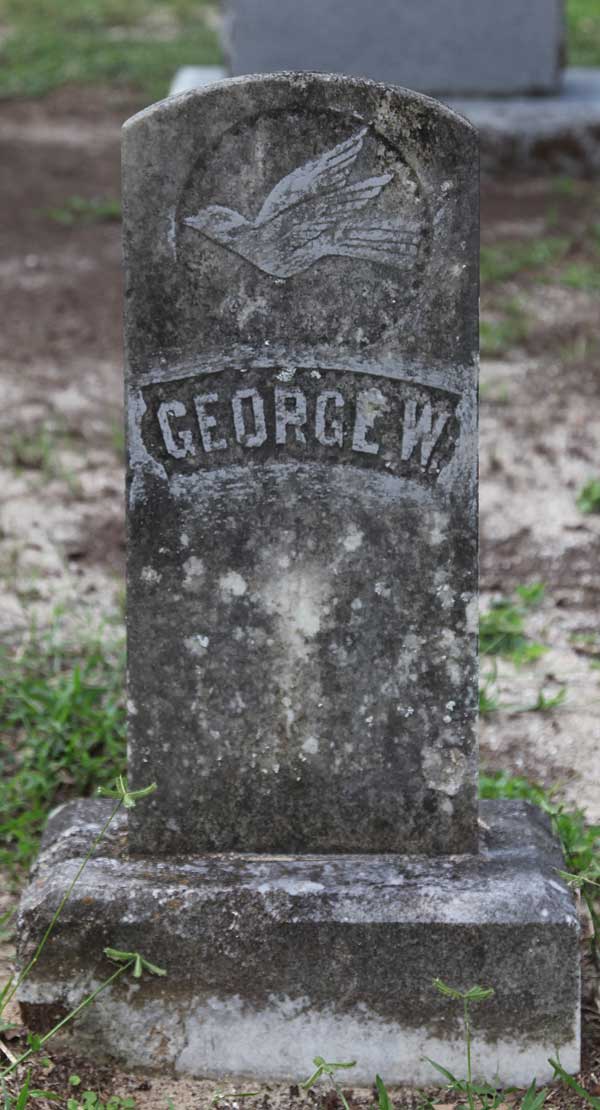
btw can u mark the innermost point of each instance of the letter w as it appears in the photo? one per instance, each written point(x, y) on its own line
point(415, 432)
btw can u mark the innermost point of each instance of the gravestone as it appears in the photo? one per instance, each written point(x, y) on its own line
point(302, 609)
point(301, 292)
point(462, 48)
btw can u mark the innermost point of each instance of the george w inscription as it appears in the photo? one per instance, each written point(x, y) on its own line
point(231, 417)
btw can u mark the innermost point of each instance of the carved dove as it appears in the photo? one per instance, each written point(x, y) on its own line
point(313, 212)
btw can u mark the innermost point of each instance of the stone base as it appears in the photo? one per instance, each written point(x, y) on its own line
point(195, 77)
point(541, 134)
point(519, 134)
point(273, 960)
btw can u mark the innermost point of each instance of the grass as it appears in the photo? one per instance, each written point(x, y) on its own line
point(509, 328)
point(78, 210)
point(565, 257)
point(495, 392)
point(581, 275)
point(131, 961)
point(544, 702)
point(583, 24)
point(503, 633)
point(589, 498)
point(323, 1069)
point(502, 261)
point(571, 262)
point(517, 258)
point(466, 1091)
point(61, 706)
point(35, 451)
point(134, 43)
point(90, 1100)
point(67, 708)
point(62, 710)
point(37, 454)
point(502, 628)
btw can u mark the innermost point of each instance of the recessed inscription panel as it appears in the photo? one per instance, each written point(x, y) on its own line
point(249, 416)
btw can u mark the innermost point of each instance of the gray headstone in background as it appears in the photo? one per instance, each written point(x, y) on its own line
point(301, 288)
point(445, 47)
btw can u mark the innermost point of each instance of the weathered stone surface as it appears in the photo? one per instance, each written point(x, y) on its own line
point(467, 47)
point(301, 324)
point(273, 960)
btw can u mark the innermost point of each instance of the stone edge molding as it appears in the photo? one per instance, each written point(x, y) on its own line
point(271, 960)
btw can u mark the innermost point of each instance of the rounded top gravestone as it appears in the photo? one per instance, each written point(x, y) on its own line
point(301, 330)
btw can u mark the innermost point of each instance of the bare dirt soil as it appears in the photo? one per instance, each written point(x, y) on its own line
point(539, 444)
point(62, 519)
point(61, 463)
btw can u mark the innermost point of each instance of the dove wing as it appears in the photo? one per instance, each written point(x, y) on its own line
point(393, 242)
point(326, 173)
point(334, 219)
point(331, 226)
point(320, 216)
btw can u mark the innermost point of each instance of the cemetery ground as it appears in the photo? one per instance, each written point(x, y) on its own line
point(62, 517)
point(62, 538)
